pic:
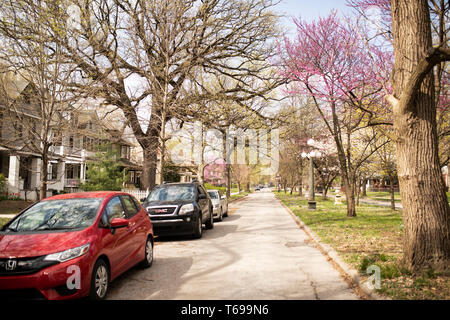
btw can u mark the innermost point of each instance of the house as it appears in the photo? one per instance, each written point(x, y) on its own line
point(72, 146)
point(215, 172)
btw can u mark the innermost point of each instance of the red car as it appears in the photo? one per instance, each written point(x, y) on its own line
point(73, 245)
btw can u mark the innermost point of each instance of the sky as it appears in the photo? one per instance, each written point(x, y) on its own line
point(309, 10)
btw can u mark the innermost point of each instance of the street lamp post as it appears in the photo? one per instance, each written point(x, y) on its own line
point(311, 193)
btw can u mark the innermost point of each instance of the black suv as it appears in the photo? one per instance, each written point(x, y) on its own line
point(179, 208)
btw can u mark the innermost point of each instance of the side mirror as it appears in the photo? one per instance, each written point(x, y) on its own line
point(119, 223)
point(202, 196)
point(143, 200)
point(223, 197)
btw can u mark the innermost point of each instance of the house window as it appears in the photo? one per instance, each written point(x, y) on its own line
point(52, 171)
point(125, 152)
point(72, 171)
point(19, 128)
point(69, 171)
point(57, 141)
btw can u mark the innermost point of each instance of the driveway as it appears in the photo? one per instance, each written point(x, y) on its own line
point(258, 252)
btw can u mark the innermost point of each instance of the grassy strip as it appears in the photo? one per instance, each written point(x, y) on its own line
point(3, 221)
point(209, 186)
point(373, 237)
point(238, 196)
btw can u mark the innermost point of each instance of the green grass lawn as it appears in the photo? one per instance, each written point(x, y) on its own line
point(232, 190)
point(384, 196)
point(374, 236)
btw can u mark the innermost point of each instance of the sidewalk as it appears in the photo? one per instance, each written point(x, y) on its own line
point(7, 216)
point(398, 205)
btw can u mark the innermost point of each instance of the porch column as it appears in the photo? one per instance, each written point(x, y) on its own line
point(13, 175)
point(82, 172)
point(35, 173)
point(61, 176)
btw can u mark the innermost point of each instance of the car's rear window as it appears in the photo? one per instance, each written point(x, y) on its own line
point(213, 194)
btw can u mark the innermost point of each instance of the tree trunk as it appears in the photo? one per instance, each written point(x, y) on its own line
point(345, 166)
point(391, 191)
point(350, 195)
point(201, 173)
point(364, 188)
point(351, 208)
point(148, 178)
point(227, 164)
point(300, 179)
point(44, 173)
point(358, 192)
point(425, 208)
point(228, 180)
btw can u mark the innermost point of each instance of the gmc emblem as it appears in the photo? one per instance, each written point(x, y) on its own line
point(160, 210)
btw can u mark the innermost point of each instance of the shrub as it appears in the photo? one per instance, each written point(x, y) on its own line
point(209, 186)
point(104, 174)
point(3, 184)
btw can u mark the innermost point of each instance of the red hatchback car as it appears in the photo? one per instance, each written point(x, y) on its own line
point(73, 245)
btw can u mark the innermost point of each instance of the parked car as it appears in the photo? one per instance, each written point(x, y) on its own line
point(179, 208)
point(220, 204)
point(257, 188)
point(73, 245)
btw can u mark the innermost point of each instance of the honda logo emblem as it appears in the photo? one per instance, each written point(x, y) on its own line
point(11, 265)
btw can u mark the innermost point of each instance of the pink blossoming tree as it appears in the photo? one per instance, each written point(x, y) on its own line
point(329, 60)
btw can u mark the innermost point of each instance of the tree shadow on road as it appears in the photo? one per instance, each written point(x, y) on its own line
point(161, 281)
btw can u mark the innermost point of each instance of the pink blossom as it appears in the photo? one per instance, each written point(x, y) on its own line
point(334, 64)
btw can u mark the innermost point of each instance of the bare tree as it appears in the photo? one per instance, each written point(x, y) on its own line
point(34, 95)
point(141, 55)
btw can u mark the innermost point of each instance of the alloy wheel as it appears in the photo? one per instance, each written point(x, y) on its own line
point(101, 281)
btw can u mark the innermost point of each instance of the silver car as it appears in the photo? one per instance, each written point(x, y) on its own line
point(220, 204)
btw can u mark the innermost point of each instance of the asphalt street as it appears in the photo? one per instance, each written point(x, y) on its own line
point(258, 252)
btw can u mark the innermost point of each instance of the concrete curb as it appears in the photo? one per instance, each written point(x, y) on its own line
point(351, 274)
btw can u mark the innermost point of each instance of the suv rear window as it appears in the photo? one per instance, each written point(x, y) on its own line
point(213, 194)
